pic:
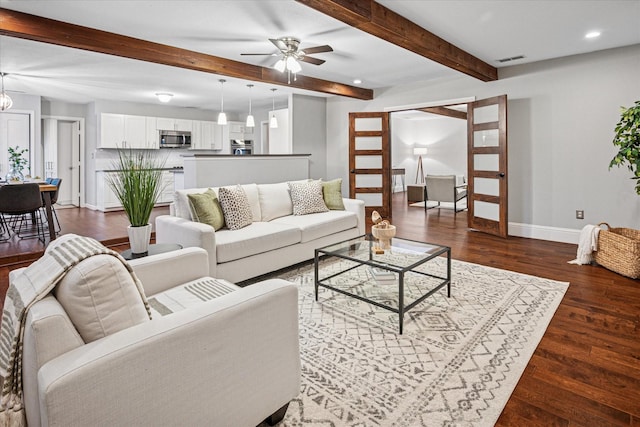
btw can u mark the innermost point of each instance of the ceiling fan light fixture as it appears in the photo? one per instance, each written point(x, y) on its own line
point(164, 96)
point(280, 65)
point(293, 65)
point(5, 100)
point(222, 117)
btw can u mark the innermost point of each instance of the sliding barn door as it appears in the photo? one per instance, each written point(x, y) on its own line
point(487, 162)
point(370, 162)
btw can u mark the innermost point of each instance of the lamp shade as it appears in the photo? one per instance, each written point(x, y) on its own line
point(419, 151)
point(250, 121)
point(222, 119)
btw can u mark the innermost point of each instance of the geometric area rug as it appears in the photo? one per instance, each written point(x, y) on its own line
point(456, 364)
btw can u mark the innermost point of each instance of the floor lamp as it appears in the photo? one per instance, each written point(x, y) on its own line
point(419, 151)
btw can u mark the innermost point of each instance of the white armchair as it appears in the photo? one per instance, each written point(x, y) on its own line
point(230, 361)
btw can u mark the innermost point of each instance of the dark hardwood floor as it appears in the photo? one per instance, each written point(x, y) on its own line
point(586, 369)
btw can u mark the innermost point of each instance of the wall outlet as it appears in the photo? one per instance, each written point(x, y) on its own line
point(579, 214)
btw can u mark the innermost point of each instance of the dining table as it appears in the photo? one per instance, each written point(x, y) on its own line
point(47, 191)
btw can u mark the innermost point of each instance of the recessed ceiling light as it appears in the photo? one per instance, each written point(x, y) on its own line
point(592, 35)
point(357, 81)
point(164, 97)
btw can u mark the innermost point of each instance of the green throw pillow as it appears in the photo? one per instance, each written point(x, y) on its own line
point(205, 208)
point(332, 194)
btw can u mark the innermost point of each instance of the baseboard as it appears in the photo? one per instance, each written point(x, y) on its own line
point(554, 234)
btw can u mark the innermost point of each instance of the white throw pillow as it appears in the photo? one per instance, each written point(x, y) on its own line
point(100, 297)
point(235, 206)
point(275, 201)
point(307, 197)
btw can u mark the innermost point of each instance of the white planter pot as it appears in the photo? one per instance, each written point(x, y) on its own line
point(139, 238)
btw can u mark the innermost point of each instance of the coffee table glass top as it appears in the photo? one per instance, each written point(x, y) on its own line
point(403, 255)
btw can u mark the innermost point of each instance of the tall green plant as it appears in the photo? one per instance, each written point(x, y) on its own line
point(137, 183)
point(628, 139)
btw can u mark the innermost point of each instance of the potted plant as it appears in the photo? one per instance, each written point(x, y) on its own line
point(16, 164)
point(628, 139)
point(137, 183)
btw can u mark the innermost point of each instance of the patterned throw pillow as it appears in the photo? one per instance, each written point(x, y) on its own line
point(332, 194)
point(235, 206)
point(205, 208)
point(307, 197)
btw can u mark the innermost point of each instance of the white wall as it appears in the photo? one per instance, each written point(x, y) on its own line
point(310, 132)
point(561, 118)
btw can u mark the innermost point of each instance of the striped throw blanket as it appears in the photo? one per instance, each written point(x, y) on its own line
point(189, 295)
point(33, 284)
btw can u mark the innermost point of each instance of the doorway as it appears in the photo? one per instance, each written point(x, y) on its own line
point(63, 154)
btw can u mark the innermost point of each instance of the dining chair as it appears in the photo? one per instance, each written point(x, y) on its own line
point(21, 203)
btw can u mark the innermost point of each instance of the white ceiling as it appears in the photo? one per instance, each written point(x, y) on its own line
point(489, 30)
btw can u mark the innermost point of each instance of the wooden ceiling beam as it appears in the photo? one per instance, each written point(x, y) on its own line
point(444, 111)
point(37, 28)
point(375, 19)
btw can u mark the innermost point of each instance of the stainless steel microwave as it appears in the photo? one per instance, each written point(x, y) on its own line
point(175, 139)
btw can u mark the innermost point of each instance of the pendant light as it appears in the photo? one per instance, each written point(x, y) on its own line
point(222, 117)
point(5, 100)
point(250, 121)
point(273, 122)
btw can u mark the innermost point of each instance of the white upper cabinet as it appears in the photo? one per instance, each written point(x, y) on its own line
point(163, 123)
point(153, 136)
point(207, 135)
point(124, 131)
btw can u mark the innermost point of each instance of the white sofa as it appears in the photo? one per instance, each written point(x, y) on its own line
point(276, 239)
point(230, 361)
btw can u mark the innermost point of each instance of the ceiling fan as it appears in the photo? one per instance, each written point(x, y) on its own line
point(291, 53)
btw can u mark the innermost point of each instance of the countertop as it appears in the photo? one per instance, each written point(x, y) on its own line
point(171, 169)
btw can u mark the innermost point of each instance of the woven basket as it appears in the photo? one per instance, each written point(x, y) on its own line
point(619, 250)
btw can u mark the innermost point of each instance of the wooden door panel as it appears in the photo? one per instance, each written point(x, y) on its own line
point(487, 163)
point(370, 162)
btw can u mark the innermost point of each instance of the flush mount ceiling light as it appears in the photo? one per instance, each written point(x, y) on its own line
point(222, 117)
point(250, 121)
point(5, 100)
point(164, 96)
point(592, 35)
point(273, 122)
point(357, 81)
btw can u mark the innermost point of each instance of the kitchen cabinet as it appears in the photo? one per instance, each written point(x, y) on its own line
point(153, 136)
point(207, 135)
point(123, 131)
point(105, 197)
point(166, 196)
point(163, 123)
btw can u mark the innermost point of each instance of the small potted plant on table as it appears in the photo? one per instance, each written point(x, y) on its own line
point(16, 164)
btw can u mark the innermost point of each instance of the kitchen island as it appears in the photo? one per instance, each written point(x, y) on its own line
point(216, 170)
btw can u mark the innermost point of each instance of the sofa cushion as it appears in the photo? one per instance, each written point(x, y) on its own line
point(205, 208)
point(307, 197)
point(254, 239)
point(251, 190)
point(100, 297)
point(316, 225)
point(235, 206)
point(275, 200)
point(332, 194)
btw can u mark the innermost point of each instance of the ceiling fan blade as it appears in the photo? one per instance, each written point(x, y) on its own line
point(317, 49)
point(265, 54)
point(311, 60)
point(279, 44)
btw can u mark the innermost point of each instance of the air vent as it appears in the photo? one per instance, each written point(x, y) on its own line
point(512, 58)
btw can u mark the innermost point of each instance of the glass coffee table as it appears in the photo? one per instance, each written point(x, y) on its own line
point(391, 269)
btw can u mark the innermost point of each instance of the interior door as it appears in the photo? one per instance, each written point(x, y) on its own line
point(370, 162)
point(76, 164)
point(487, 163)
